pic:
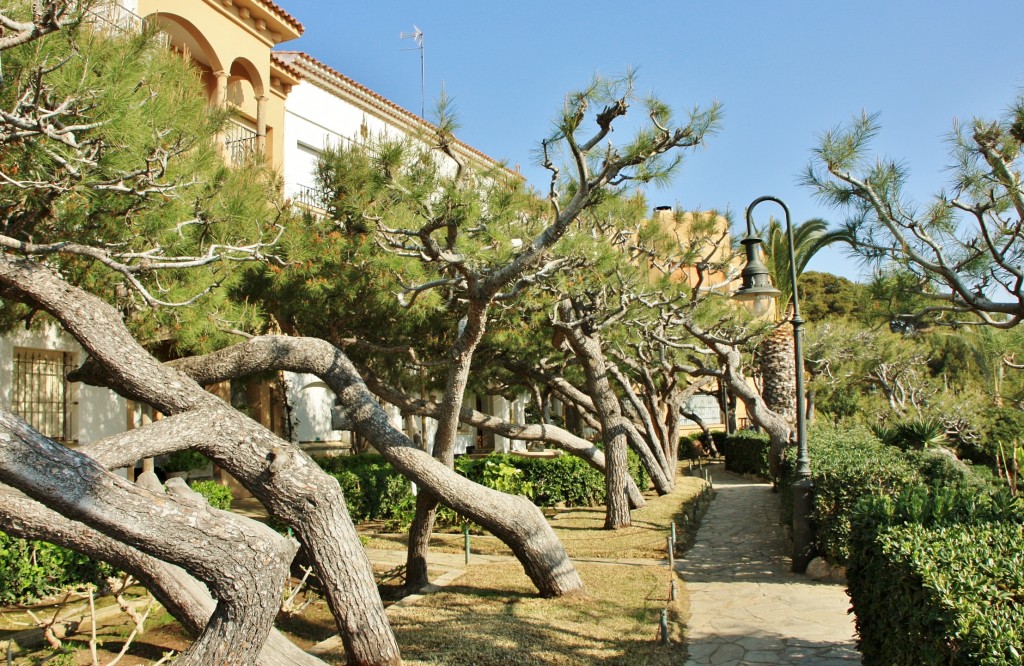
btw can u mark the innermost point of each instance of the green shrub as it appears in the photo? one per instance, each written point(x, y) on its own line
point(1002, 425)
point(721, 439)
point(30, 570)
point(941, 470)
point(373, 489)
point(847, 464)
point(691, 447)
point(937, 577)
point(563, 479)
point(217, 495)
point(747, 453)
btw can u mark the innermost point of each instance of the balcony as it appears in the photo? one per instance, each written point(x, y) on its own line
point(310, 198)
point(111, 16)
point(240, 143)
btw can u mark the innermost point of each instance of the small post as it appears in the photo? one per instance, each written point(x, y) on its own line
point(664, 626)
point(465, 532)
point(671, 553)
point(672, 590)
point(672, 526)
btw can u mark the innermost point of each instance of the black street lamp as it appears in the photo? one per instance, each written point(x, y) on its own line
point(757, 294)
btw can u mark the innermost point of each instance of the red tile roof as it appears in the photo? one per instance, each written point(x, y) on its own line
point(281, 13)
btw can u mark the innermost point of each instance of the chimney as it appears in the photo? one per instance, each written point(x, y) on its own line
point(664, 214)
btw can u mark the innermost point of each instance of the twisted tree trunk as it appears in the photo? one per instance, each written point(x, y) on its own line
point(587, 348)
point(532, 432)
point(243, 562)
point(184, 597)
point(281, 475)
point(514, 520)
point(731, 362)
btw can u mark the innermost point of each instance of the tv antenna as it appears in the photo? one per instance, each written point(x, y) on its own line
point(417, 37)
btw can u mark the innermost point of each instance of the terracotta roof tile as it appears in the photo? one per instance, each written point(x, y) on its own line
point(281, 13)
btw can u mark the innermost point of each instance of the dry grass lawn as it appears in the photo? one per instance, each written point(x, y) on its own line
point(491, 615)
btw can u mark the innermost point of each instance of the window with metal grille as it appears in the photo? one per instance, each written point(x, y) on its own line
point(706, 407)
point(41, 393)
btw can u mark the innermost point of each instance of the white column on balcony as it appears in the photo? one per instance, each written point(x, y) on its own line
point(500, 409)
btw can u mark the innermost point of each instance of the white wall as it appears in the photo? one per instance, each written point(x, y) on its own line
point(315, 119)
point(311, 401)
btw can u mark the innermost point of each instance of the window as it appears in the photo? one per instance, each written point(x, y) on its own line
point(706, 407)
point(41, 393)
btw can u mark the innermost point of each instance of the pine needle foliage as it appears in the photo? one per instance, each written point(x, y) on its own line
point(133, 181)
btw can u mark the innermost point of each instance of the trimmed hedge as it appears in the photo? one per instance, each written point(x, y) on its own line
point(746, 452)
point(374, 490)
point(691, 446)
point(937, 577)
point(30, 570)
point(847, 464)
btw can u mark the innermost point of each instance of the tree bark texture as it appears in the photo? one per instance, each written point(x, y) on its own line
point(182, 596)
point(286, 480)
point(778, 429)
point(461, 362)
point(777, 367)
point(650, 448)
point(587, 349)
point(242, 562)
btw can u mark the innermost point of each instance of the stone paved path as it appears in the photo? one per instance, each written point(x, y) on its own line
point(746, 606)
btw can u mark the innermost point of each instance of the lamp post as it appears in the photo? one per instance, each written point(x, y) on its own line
point(757, 293)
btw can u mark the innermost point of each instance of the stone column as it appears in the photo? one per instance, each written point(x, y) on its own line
point(261, 123)
point(220, 99)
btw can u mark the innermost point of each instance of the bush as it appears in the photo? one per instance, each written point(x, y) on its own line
point(1002, 425)
point(955, 558)
point(218, 496)
point(747, 453)
point(693, 446)
point(374, 490)
point(564, 479)
point(721, 439)
point(30, 570)
point(847, 464)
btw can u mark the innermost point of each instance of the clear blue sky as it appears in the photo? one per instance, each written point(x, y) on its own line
point(784, 70)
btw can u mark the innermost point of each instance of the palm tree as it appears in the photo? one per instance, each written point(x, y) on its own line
point(775, 360)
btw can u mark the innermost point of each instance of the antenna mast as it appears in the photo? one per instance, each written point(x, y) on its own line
point(417, 37)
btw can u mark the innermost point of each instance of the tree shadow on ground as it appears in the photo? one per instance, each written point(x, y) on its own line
point(471, 624)
point(770, 648)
